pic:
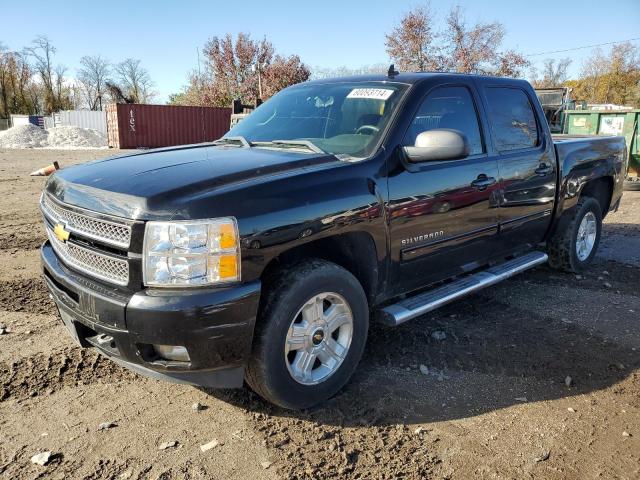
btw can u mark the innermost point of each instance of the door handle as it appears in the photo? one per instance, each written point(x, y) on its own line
point(543, 169)
point(482, 182)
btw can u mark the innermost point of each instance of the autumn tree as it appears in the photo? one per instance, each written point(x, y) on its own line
point(612, 77)
point(18, 91)
point(93, 75)
point(246, 69)
point(134, 80)
point(412, 43)
point(415, 44)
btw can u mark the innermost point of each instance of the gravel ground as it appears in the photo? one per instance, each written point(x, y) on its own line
point(538, 377)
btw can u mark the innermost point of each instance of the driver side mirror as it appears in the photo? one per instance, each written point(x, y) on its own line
point(438, 144)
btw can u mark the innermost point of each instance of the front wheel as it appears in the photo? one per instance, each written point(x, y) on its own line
point(573, 248)
point(310, 334)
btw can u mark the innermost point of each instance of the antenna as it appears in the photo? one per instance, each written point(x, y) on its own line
point(392, 72)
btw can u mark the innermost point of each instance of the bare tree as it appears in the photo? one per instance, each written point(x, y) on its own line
point(134, 80)
point(92, 78)
point(42, 52)
point(412, 43)
point(554, 73)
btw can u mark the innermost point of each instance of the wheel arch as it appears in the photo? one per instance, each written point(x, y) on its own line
point(354, 251)
point(601, 189)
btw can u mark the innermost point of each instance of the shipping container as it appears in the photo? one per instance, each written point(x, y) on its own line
point(37, 120)
point(96, 120)
point(152, 126)
point(608, 122)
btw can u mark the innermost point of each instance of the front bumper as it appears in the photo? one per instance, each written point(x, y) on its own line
point(215, 325)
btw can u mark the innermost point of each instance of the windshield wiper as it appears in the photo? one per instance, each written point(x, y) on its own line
point(234, 140)
point(308, 144)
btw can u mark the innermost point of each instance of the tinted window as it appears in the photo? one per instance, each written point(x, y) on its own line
point(447, 107)
point(512, 119)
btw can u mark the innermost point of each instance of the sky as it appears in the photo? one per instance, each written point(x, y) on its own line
point(166, 35)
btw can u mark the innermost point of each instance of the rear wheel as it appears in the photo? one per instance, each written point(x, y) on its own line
point(310, 334)
point(632, 184)
point(573, 248)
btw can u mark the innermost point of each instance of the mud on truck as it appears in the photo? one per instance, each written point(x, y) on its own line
point(264, 256)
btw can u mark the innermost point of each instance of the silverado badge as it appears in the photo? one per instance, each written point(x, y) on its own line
point(61, 233)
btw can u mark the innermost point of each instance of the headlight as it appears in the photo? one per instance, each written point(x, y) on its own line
point(191, 252)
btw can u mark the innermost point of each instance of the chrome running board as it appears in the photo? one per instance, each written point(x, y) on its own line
point(422, 303)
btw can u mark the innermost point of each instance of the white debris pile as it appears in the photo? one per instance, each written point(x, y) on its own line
point(62, 138)
point(75, 137)
point(23, 136)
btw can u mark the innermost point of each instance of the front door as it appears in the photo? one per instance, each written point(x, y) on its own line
point(442, 214)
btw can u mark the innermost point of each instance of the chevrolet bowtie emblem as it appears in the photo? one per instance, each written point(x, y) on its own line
point(60, 233)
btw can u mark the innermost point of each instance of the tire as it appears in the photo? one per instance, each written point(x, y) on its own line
point(274, 362)
point(563, 254)
point(631, 185)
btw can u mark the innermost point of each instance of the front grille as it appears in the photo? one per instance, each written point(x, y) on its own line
point(98, 265)
point(110, 232)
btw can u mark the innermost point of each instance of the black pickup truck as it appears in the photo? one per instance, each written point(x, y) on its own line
point(262, 257)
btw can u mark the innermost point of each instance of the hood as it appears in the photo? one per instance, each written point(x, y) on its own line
point(146, 185)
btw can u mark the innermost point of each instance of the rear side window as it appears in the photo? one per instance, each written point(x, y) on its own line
point(447, 107)
point(512, 119)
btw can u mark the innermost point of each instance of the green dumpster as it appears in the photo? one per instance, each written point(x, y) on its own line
point(609, 122)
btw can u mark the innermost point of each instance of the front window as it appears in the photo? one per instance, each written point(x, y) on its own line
point(344, 119)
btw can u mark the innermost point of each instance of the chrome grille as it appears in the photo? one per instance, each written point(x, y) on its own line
point(109, 232)
point(98, 265)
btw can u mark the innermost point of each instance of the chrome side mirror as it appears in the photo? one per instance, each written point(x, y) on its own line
point(438, 144)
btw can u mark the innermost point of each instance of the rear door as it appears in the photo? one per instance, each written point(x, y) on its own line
point(443, 214)
point(526, 164)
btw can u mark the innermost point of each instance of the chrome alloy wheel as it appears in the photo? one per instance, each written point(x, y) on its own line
point(586, 239)
point(319, 338)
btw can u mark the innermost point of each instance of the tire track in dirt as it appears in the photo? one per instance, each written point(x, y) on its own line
point(326, 443)
point(42, 373)
point(26, 295)
point(16, 242)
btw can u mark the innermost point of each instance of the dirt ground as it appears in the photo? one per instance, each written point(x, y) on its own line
point(479, 389)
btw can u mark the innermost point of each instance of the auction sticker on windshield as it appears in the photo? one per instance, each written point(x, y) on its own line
point(374, 93)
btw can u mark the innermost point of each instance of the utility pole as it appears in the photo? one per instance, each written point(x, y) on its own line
point(199, 77)
point(256, 68)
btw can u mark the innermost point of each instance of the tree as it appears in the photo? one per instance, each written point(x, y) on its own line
point(416, 45)
point(554, 73)
point(56, 94)
point(244, 69)
point(411, 44)
point(282, 72)
point(612, 77)
point(93, 76)
point(134, 80)
point(16, 84)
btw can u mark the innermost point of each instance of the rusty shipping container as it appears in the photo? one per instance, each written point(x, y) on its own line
point(152, 126)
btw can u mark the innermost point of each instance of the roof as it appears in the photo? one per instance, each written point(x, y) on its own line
point(407, 78)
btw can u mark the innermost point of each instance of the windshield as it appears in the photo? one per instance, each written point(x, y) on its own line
point(344, 119)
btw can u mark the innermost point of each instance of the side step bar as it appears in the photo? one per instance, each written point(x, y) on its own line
point(422, 303)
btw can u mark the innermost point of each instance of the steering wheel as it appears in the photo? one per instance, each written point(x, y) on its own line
point(372, 128)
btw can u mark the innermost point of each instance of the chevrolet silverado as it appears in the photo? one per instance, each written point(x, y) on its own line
point(262, 257)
